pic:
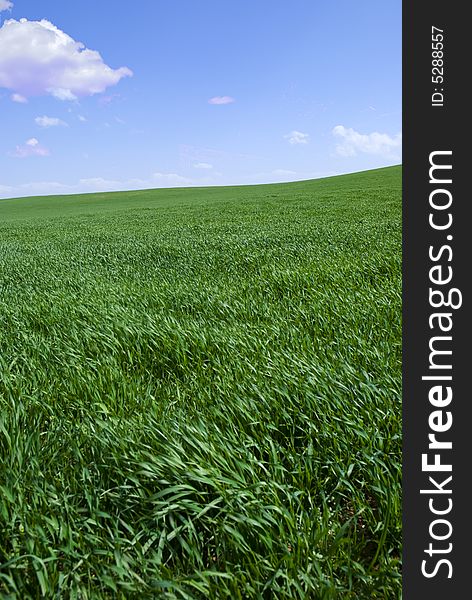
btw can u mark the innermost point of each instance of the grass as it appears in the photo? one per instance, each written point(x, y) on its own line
point(200, 392)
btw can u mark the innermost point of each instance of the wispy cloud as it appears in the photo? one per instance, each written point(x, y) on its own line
point(171, 179)
point(31, 147)
point(203, 154)
point(19, 98)
point(38, 59)
point(105, 100)
point(202, 165)
point(49, 122)
point(5, 5)
point(102, 184)
point(6, 190)
point(221, 100)
point(381, 144)
point(297, 137)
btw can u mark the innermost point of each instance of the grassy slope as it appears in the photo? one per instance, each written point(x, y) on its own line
point(200, 392)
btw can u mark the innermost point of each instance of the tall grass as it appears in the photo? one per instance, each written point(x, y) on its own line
point(200, 392)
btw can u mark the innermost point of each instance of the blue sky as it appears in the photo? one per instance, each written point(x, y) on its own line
point(195, 93)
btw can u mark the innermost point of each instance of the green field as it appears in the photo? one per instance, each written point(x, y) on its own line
point(200, 392)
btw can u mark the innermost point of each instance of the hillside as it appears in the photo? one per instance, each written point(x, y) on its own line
point(200, 392)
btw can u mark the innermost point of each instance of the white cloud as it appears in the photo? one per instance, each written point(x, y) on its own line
point(297, 137)
point(5, 5)
point(37, 59)
point(202, 165)
point(221, 100)
point(31, 147)
point(380, 144)
point(18, 98)
point(62, 94)
point(49, 122)
point(82, 118)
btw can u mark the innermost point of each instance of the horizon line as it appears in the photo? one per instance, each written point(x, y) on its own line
point(200, 187)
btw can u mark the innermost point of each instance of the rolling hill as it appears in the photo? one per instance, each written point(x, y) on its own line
point(200, 392)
